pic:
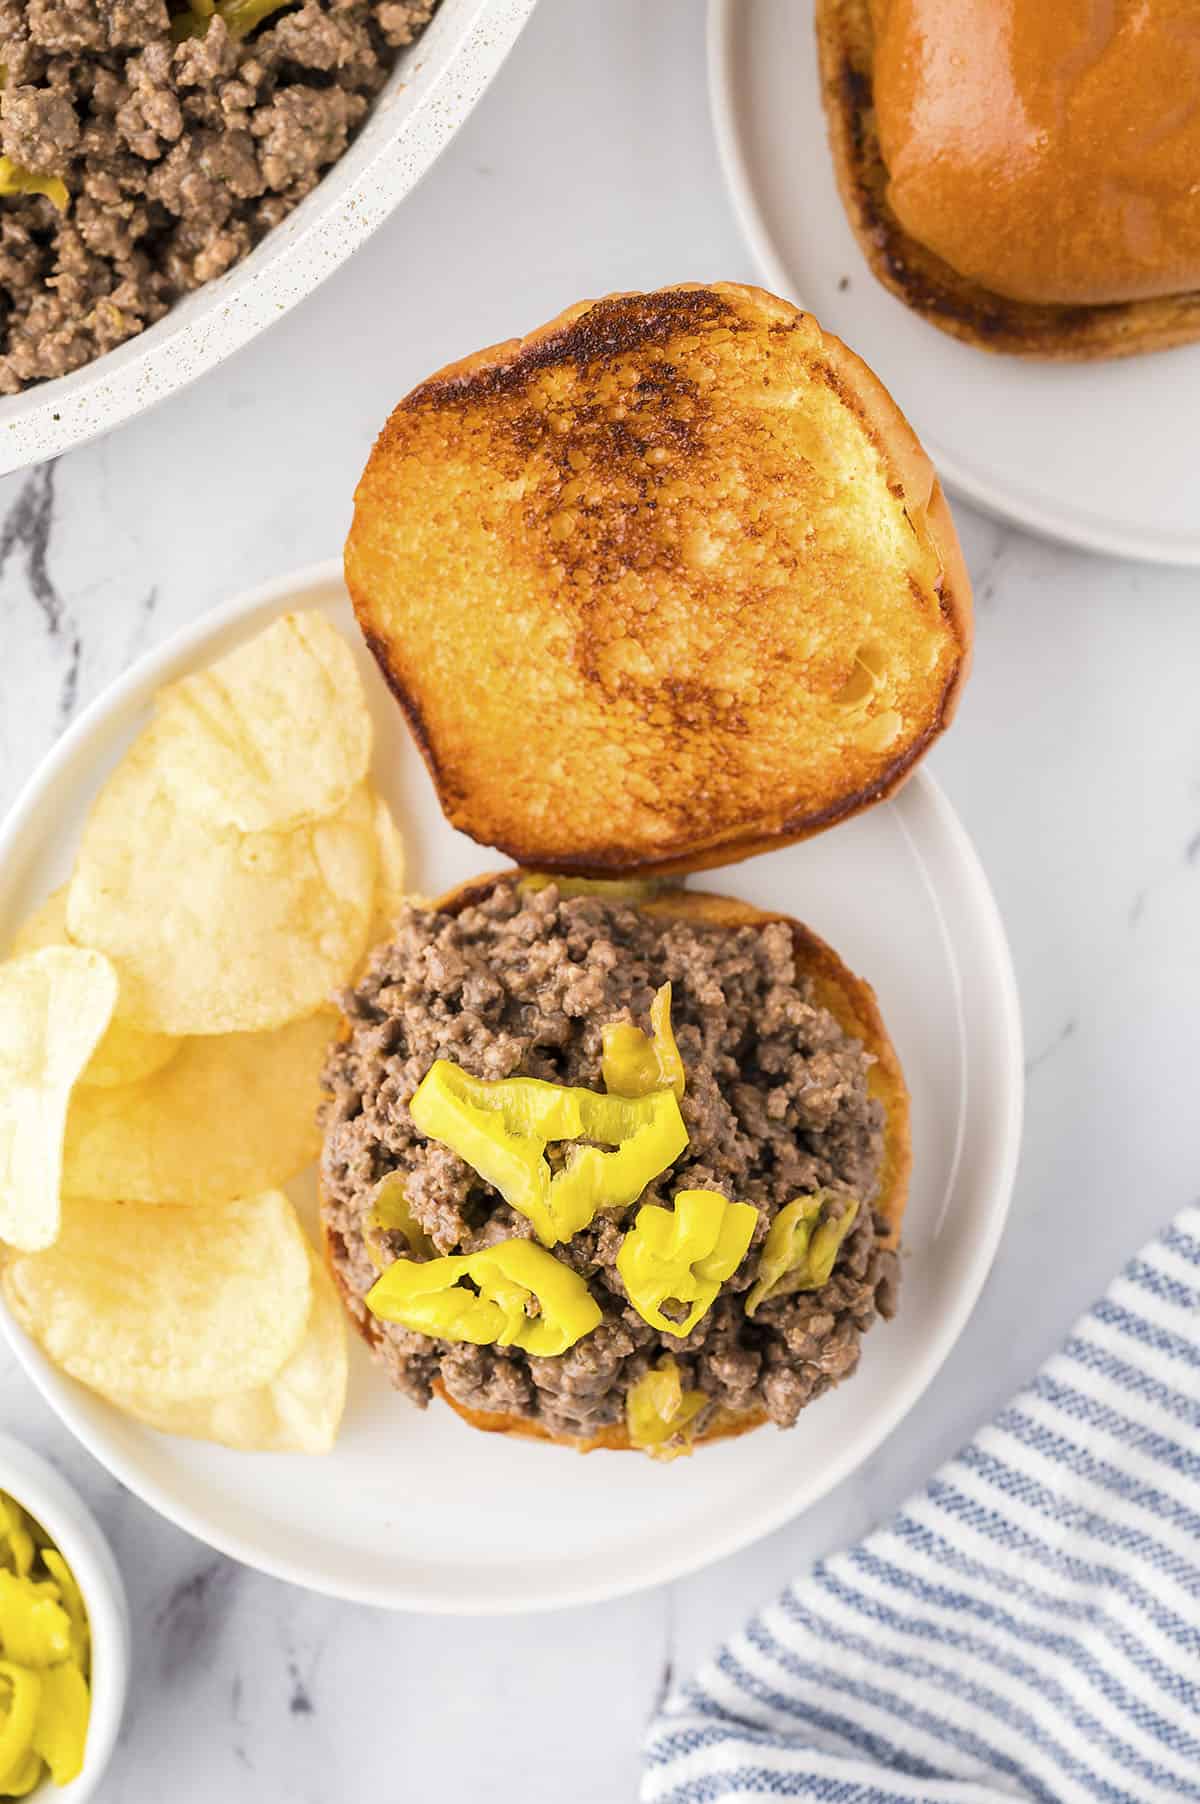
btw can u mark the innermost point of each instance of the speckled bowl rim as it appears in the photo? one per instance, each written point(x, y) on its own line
point(430, 93)
point(59, 1509)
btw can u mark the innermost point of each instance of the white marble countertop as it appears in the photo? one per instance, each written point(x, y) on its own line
point(1075, 765)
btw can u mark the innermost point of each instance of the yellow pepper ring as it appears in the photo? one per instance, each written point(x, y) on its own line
point(392, 1213)
point(16, 179)
point(502, 1128)
point(16, 1734)
point(629, 1063)
point(524, 1297)
point(670, 1064)
point(633, 1065)
point(800, 1250)
point(240, 16)
point(660, 1414)
point(60, 1734)
point(24, 1776)
point(684, 1254)
point(44, 1701)
point(34, 1627)
point(15, 1532)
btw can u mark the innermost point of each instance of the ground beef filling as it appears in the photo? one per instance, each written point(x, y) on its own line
point(177, 157)
point(776, 1105)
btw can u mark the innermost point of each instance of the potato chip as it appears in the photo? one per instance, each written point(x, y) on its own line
point(272, 736)
point(54, 1006)
point(298, 1411)
point(232, 1114)
point(46, 926)
point(389, 881)
point(216, 931)
point(152, 1305)
point(125, 1053)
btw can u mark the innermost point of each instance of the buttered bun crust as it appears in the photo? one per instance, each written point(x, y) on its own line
point(666, 582)
point(1023, 174)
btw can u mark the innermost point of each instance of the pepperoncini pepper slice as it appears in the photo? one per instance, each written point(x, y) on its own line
point(240, 16)
point(801, 1249)
point(24, 1776)
point(20, 1695)
point(44, 1657)
point(629, 1064)
point(523, 1297)
point(670, 1064)
point(392, 1213)
point(18, 1548)
point(633, 1065)
point(16, 179)
point(684, 1254)
point(71, 1599)
point(660, 1414)
point(612, 889)
point(60, 1730)
point(502, 1128)
point(35, 1630)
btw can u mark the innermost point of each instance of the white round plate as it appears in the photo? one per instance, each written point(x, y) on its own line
point(1100, 454)
point(410, 1508)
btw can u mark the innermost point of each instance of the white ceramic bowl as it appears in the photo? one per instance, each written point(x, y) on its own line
point(38, 1488)
point(430, 92)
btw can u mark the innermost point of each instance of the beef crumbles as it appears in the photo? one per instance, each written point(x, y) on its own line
point(776, 1105)
point(176, 156)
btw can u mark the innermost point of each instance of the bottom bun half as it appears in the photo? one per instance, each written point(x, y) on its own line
point(852, 1003)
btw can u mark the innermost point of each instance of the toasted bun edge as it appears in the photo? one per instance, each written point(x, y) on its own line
point(900, 448)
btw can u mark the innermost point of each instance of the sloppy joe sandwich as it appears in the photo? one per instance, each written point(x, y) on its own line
point(610, 1161)
point(1023, 175)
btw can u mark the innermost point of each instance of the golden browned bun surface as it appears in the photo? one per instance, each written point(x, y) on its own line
point(1013, 170)
point(664, 583)
point(851, 1001)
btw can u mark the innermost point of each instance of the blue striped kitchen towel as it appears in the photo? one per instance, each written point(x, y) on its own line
point(1028, 1627)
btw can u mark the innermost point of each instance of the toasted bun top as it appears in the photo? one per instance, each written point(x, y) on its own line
point(664, 583)
point(1047, 149)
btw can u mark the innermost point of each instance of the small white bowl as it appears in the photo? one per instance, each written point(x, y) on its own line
point(38, 1488)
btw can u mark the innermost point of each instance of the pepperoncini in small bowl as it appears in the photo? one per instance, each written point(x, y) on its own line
point(64, 1635)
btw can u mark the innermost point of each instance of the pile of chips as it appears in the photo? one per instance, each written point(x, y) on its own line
point(164, 1019)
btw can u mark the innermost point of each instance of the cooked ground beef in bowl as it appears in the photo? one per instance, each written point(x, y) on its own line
point(776, 1105)
point(177, 153)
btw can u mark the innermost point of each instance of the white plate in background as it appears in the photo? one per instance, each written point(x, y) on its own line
point(1105, 455)
point(416, 1510)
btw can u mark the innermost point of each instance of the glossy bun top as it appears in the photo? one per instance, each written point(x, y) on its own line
point(1048, 149)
